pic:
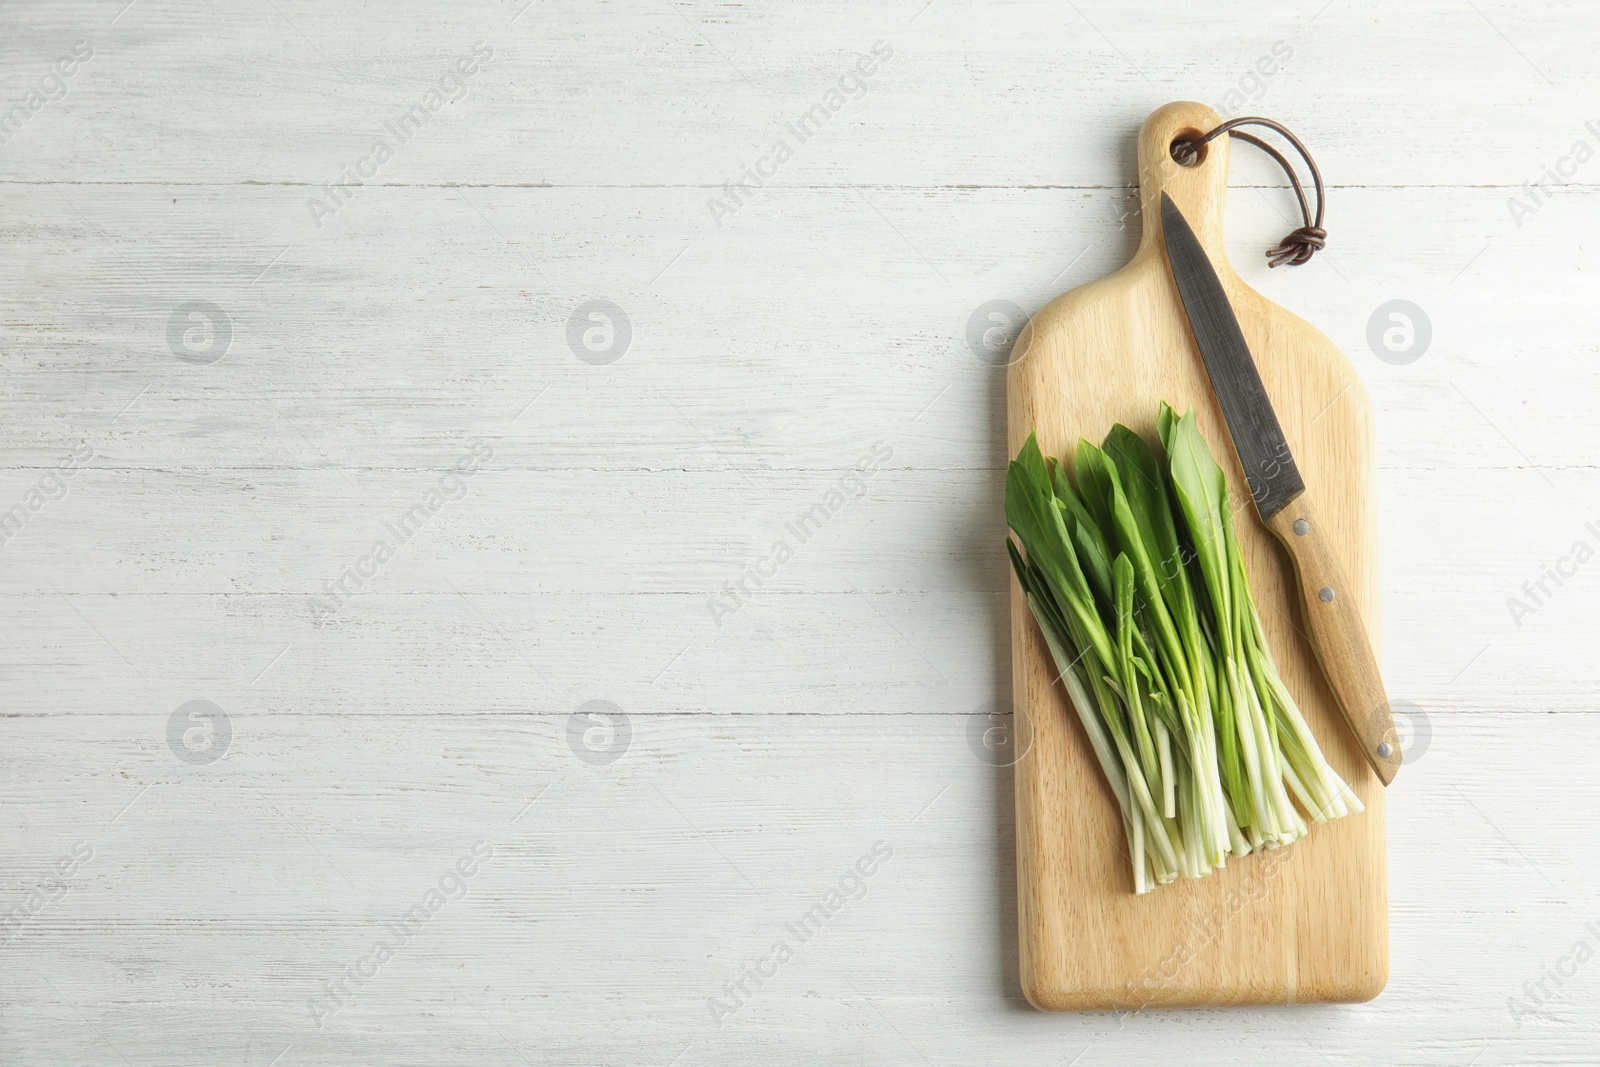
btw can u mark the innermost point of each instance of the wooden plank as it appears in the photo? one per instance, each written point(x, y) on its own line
point(1111, 352)
point(413, 325)
point(227, 561)
point(613, 908)
point(639, 95)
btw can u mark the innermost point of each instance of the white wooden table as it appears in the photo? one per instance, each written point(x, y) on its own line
point(231, 368)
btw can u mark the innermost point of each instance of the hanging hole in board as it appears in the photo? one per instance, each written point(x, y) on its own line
point(1184, 151)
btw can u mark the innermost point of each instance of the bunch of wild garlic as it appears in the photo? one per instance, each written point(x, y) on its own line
point(1133, 572)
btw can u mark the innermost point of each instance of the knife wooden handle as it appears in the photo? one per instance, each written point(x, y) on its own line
point(1338, 635)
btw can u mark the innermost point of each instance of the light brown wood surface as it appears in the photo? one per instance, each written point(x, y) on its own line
point(1338, 635)
point(1304, 923)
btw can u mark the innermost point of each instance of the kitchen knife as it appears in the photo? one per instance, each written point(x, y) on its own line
point(1333, 620)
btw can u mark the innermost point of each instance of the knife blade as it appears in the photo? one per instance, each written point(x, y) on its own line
point(1336, 630)
point(1264, 455)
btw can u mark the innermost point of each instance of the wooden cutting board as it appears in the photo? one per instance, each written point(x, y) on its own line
point(1308, 922)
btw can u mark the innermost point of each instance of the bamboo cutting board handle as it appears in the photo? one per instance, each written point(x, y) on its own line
point(1200, 190)
point(1308, 922)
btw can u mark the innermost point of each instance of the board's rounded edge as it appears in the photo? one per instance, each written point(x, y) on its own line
point(1358, 989)
point(1055, 999)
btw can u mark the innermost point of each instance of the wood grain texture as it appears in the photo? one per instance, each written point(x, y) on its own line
point(1311, 923)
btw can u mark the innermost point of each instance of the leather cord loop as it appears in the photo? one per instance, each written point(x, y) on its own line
point(1299, 245)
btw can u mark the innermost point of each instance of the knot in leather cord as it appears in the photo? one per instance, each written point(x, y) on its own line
point(1298, 246)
